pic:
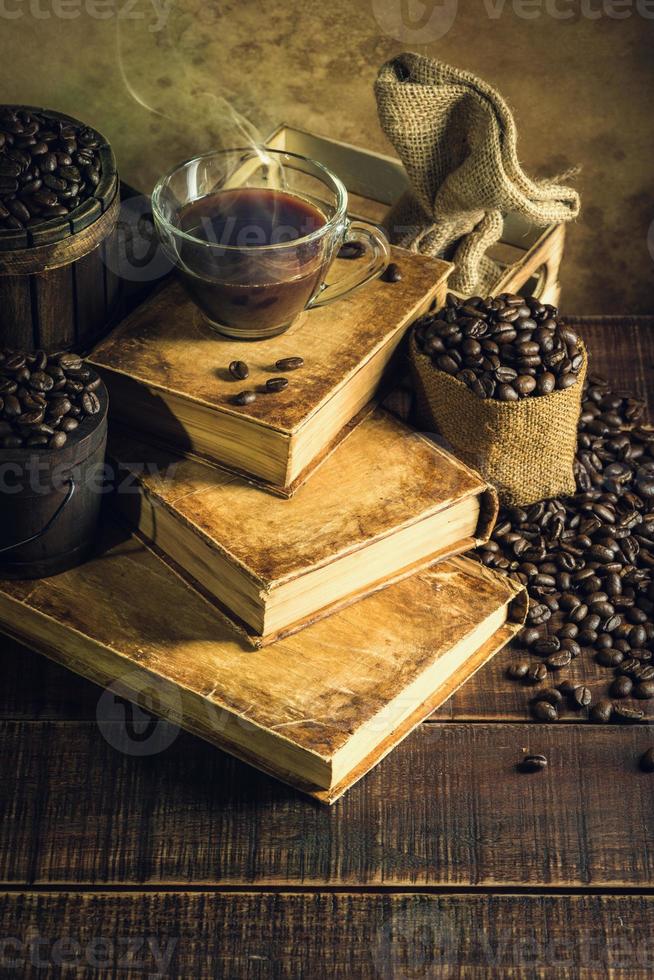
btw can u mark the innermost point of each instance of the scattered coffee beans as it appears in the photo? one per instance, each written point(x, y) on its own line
point(48, 166)
point(239, 370)
point(351, 250)
point(392, 273)
point(587, 561)
point(289, 363)
point(43, 398)
point(276, 384)
point(601, 711)
point(505, 348)
point(533, 763)
point(244, 398)
point(544, 711)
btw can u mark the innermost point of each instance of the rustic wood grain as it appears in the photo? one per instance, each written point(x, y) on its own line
point(16, 321)
point(335, 935)
point(447, 808)
point(91, 307)
point(54, 299)
point(58, 254)
point(624, 354)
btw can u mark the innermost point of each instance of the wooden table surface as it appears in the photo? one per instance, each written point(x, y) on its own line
point(442, 862)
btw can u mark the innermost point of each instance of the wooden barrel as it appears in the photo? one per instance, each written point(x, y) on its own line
point(50, 501)
point(58, 281)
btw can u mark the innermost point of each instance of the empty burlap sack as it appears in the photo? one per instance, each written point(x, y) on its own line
point(525, 448)
point(457, 140)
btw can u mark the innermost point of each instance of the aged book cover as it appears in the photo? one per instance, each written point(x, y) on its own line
point(386, 503)
point(167, 374)
point(317, 709)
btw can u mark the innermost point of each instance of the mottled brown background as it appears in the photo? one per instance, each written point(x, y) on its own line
point(581, 88)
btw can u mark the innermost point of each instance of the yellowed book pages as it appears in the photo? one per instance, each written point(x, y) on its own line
point(167, 374)
point(387, 502)
point(317, 709)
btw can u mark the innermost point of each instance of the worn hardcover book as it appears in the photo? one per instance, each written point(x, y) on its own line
point(317, 709)
point(386, 503)
point(167, 374)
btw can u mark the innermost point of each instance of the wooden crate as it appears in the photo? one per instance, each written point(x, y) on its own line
point(530, 257)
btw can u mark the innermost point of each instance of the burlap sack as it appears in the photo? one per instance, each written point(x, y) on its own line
point(525, 448)
point(457, 140)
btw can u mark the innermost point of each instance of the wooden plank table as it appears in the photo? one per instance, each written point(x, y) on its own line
point(443, 862)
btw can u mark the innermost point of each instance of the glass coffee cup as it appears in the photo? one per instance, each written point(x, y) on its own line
point(253, 234)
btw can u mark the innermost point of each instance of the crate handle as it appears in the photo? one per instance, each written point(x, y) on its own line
point(46, 527)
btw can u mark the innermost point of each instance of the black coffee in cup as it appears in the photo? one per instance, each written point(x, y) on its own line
point(249, 263)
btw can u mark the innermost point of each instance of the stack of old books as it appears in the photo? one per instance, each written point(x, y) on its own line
point(288, 585)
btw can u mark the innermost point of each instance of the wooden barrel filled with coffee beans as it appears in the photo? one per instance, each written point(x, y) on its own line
point(59, 205)
point(53, 433)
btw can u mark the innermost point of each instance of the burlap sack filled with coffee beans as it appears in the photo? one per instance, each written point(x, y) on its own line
point(525, 448)
point(457, 140)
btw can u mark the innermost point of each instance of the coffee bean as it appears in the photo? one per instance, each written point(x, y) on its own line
point(40, 381)
point(244, 398)
point(518, 670)
point(392, 273)
point(609, 658)
point(557, 661)
point(351, 250)
point(601, 711)
point(536, 673)
point(644, 690)
point(538, 762)
point(572, 646)
point(546, 646)
point(276, 384)
point(289, 363)
point(627, 715)
point(239, 370)
point(646, 761)
point(582, 696)
point(621, 687)
point(544, 711)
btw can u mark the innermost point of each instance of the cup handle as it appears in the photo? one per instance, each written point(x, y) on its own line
point(376, 246)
